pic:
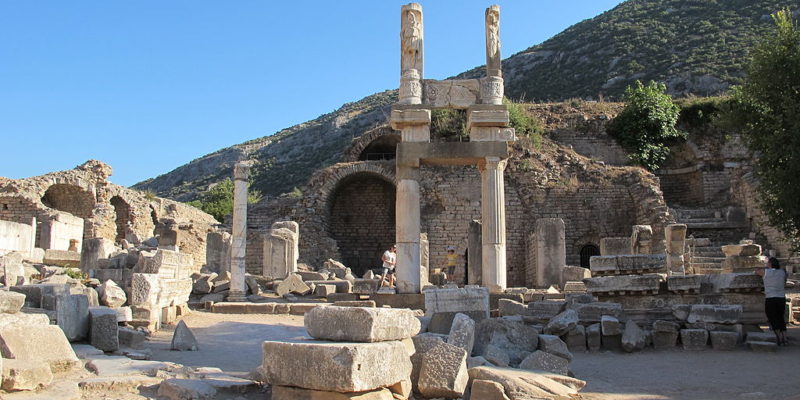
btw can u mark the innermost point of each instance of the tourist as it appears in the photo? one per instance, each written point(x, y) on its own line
point(775, 293)
point(452, 260)
point(389, 259)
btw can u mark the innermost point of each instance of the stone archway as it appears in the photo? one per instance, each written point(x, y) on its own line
point(587, 251)
point(384, 147)
point(122, 210)
point(361, 219)
point(71, 199)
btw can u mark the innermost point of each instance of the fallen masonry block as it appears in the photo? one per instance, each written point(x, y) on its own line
point(627, 264)
point(543, 361)
point(11, 302)
point(422, 344)
point(545, 310)
point(624, 284)
point(462, 333)
point(610, 326)
point(341, 286)
point(131, 338)
point(349, 367)
point(183, 339)
point(562, 323)
point(456, 300)
point(292, 284)
point(25, 342)
point(361, 324)
point(576, 339)
point(25, 375)
point(488, 390)
point(593, 337)
point(72, 316)
point(592, 312)
point(684, 283)
point(293, 393)
point(694, 339)
point(104, 330)
point(633, 338)
point(762, 346)
point(443, 372)
point(721, 340)
point(724, 314)
point(515, 338)
point(179, 389)
point(555, 346)
point(533, 384)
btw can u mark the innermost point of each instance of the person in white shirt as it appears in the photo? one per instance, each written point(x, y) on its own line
point(389, 259)
point(775, 293)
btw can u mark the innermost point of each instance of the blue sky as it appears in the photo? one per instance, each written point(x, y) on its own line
point(148, 86)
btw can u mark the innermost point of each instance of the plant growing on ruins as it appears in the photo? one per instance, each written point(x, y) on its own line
point(218, 199)
point(766, 108)
point(447, 122)
point(525, 125)
point(646, 126)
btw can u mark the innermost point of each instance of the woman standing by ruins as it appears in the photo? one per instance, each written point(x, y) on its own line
point(775, 293)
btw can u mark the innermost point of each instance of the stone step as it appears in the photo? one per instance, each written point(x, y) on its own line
point(697, 212)
point(707, 260)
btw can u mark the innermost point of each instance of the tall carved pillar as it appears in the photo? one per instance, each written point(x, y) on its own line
point(493, 222)
point(411, 56)
point(238, 290)
point(492, 86)
point(407, 227)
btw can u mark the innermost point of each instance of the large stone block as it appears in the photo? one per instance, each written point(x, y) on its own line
point(594, 337)
point(93, 250)
point(551, 252)
point(62, 258)
point(623, 283)
point(543, 311)
point(733, 250)
point(361, 324)
point(633, 338)
point(723, 314)
point(613, 246)
point(25, 375)
point(344, 367)
point(462, 333)
point(487, 390)
point(724, 340)
point(144, 289)
point(576, 339)
point(543, 361)
point(111, 294)
point(422, 344)
point(293, 393)
point(11, 302)
point(292, 284)
point(627, 264)
point(562, 323)
point(592, 312)
point(38, 343)
point(513, 337)
point(528, 385)
point(341, 286)
point(456, 300)
point(183, 339)
point(72, 316)
point(443, 372)
point(573, 274)
point(610, 326)
point(694, 339)
point(104, 332)
point(555, 346)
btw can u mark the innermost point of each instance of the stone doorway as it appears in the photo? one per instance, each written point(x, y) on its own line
point(362, 219)
point(587, 252)
point(123, 216)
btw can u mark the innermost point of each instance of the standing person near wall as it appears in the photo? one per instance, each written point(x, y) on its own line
point(389, 259)
point(452, 261)
point(775, 293)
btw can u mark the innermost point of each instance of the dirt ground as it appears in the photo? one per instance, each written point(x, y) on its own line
point(232, 342)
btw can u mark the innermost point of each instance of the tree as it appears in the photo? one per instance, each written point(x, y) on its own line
point(218, 199)
point(766, 109)
point(646, 126)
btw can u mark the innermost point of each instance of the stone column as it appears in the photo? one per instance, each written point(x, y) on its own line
point(474, 244)
point(238, 290)
point(493, 220)
point(492, 86)
point(411, 54)
point(675, 235)
point(408, 229)
point(551, 251)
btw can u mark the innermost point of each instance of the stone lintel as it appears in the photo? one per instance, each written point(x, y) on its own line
point(414, 154)
point(492, 134)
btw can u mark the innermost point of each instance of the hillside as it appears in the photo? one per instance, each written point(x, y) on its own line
point(698, 47)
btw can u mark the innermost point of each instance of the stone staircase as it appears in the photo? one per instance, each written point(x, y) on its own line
point(708, 230)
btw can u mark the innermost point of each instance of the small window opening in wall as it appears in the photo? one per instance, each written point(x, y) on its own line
point(587, 252)
point(5, 206)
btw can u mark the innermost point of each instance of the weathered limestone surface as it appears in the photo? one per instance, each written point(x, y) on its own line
point(723, 314)
point(281, 249)
point(633, 338)
point(554, 345)
point(25, 374)
point(562, 323)
point(361, 324)
point(179, 389)
point(576, 339)
point(72, 316)
point(462, 333)
point(543, 361)
point(641, 239)
point(183, 339)
point(349, 367)
point(443, 372)
point(724, 340)
point(526, 385)
point(111, 294)
point(422, 344)
point(292, 284)
point(238, 289)
point(592, 312)
point(104, 331)
point(456, 300)
point(543, 311)
point(624, 283)
point(593, 336)
point(514, 338)
point(613, 246)
point(487, 390)
point(24, 342)
point(293, 393)
point(627, 264)
point(694, 339)
point(675, 235)
point(11, 302)
point(610, 326)
point(551, 253)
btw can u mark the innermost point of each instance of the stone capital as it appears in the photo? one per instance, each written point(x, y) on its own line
point(493, 163)
point(496, 117)
point(402, 118)
point(241, 171)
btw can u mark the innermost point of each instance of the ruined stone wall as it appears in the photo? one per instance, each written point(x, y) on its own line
point(744, 192)
point(684, 187)
point(107, 209)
